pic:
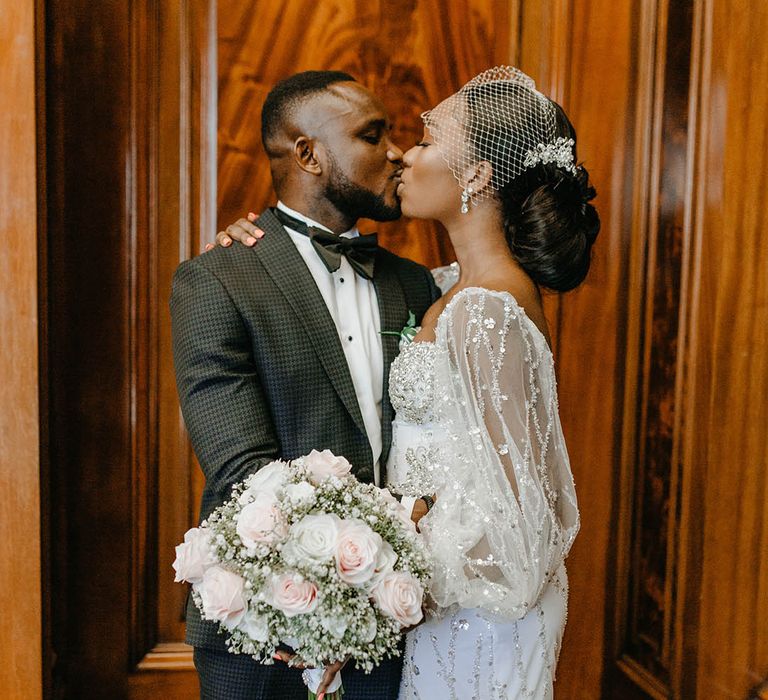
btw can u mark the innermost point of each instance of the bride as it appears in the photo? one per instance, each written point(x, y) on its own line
point(477, 423)
point(477, 438)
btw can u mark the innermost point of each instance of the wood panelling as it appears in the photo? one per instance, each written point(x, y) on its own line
point(651, 591)
point(412, 53)
point(126, 204)
point(727, 395)
point(596, 83)
point(20, 583)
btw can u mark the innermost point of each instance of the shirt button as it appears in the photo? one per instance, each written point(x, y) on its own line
point(341, 279)
point(349, 338)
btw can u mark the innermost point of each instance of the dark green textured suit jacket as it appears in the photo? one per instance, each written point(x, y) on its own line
point(260, 370)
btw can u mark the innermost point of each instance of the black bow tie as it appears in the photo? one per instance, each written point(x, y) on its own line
point(359, 251)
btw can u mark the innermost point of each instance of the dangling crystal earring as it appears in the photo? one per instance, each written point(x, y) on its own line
point(465, 200)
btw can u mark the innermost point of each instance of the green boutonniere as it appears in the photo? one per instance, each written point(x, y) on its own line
point(409, 330)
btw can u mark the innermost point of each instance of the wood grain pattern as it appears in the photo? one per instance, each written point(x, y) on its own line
point(727, 394)
point(591, 330)
point(652, 578)
point(122, 480)
point(20, 573)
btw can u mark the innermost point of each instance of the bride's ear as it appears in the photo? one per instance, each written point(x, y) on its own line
point(477, 177)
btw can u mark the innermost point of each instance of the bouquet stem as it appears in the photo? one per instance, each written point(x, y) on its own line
point(335, 695)
point(312, 678)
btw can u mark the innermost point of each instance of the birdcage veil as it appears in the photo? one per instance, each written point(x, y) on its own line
point(500, 117)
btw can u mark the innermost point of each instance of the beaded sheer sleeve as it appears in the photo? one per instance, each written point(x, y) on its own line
point(506, 512)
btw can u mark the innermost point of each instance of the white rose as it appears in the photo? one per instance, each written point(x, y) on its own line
point(325, 463)
point(299, 493)
point(357, 552)
point(314, 537)
point(399, 596)
point(261, 522)
point(194, 556)
point(269, 479)
point(255, 626)
point(293, 594)
point(221, 592)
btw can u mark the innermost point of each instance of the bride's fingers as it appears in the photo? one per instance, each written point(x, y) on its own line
point(223, 239)
point(245, 232)
point(330, 673)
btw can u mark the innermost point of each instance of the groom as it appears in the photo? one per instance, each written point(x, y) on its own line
point(278, 348)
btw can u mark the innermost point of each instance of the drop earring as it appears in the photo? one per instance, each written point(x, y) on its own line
point(465, 200)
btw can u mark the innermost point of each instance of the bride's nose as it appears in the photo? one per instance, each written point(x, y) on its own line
point(408, 157)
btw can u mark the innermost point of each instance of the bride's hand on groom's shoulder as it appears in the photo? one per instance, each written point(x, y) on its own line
point(243, 231)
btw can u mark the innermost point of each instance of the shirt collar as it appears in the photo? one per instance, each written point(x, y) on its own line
point(352, 233)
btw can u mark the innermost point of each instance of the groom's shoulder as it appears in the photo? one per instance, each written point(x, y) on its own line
point(403, 266)
point(226, 265)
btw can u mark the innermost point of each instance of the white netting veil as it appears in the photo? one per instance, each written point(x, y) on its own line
point(500, 117)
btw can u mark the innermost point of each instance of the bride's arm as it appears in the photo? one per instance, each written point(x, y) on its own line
point(508, 504)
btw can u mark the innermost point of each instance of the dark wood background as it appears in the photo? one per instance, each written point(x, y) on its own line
point(148, 115)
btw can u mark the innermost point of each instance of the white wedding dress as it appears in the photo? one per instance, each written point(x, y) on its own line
point(477, 424)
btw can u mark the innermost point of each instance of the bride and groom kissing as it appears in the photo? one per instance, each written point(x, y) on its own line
point(289, 343)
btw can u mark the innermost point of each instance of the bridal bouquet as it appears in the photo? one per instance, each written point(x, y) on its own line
point(304, 554)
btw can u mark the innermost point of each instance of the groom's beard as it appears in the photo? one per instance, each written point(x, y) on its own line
point(355, 201)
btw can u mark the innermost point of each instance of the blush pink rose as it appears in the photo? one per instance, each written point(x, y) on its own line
point(293, 595)
point(325, 463)
point(357, 552)
point(261, 522)
point(399, 596)
point(193, 556)
point(221, 592)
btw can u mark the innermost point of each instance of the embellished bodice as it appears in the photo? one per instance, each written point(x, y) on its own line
point(412, 456)
point(412, 382)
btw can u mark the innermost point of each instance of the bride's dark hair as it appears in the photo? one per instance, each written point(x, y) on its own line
point(549, 222)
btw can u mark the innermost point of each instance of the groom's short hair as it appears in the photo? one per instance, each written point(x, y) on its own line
point(285, 97)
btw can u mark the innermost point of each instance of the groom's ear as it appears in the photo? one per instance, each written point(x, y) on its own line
point(308, 155)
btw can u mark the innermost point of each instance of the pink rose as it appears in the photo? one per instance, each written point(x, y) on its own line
point(399, 596)
point(221, 592)
point(357, 552)
point(193, 556)
point(261, 522)
point(325, 463)
point(293, 595)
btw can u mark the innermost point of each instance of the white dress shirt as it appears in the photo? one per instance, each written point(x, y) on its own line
point(354, 308)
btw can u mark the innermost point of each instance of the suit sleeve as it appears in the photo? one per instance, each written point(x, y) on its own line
point(221, 397)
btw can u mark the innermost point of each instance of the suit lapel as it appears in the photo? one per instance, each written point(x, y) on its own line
point(286, 267)
point(393, 313)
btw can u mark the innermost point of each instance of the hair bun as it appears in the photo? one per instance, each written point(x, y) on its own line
point(552, 230)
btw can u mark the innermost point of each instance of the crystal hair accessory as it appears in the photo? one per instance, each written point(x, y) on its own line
point(559, 152)
point(499, 117)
